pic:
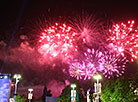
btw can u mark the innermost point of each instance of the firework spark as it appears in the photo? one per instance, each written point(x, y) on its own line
point(113, 65)
point(57, 40)
point(124, 39)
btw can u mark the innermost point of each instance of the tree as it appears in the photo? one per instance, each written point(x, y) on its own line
point(134, 84)
point(20, 98)
point(118, 90)
point(134, 80)
point(66, 95)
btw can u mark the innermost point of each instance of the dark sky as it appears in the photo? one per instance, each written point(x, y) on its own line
point(113, 8)
point(10, 10)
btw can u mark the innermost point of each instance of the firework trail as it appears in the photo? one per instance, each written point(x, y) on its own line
point(113, 65)
point(124, 39)
point(88, 30)
point(57, 40)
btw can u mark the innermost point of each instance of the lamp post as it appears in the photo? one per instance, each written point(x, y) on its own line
point(88, 96)
point(73, 93)
point(97, 85)
point(17, 77)
point(30, 94)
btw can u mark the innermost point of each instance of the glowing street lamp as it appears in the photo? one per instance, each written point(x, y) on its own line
point(17, 77)
point(73, 93)
point(97, 85)
point(97, 77)
point(73, 86)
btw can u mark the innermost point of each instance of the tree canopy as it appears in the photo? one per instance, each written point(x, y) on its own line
point(118, 90)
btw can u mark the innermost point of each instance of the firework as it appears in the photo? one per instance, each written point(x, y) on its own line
point(57, 40)
point(113, 65)
point(88, 30)
point(124, 39)
point(92, 57)
point(76, 70)
point(89, 70)
point(87, 65)
point(81, 70)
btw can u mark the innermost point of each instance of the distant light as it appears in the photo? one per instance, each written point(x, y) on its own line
point(12, 85)
point(1, 77)
point(6, 77)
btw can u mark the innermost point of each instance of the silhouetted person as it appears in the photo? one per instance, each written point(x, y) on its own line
point(44, 94)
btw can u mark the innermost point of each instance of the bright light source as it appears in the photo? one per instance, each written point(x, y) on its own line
point(97, 77)
point(17, 76)
point(4, 76)
point(73, 86)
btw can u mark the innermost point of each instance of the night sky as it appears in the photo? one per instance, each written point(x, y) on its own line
point(116, 9)
point(112, 10)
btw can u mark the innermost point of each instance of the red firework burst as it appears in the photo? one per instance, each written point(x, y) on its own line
point(124, 39)
point(57, 40)
point(88, 30)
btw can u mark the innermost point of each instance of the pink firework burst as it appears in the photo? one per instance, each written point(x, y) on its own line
point(76, 70)
point(89, 70)
point(87, 65)
point(81, 70)
point(57, 40)
point(92, 58)
point(124, 39)
point(113, 65)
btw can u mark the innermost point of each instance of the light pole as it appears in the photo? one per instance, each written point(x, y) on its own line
point(30, 94)
point(73, 93)
point(17, 77)
point(97, 85)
